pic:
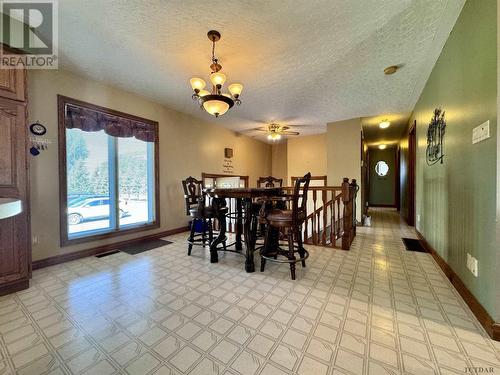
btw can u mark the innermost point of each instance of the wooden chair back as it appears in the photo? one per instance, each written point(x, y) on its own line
point(299, 200)
point(193, 192)
point(269, 181)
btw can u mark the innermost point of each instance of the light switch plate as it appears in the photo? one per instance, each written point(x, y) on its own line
point(481, 132)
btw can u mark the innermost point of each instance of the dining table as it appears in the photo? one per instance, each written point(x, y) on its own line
point(243, 216)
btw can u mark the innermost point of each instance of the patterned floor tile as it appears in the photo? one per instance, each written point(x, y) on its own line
point(376, 309)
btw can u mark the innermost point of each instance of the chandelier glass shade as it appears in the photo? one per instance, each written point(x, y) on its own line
point(274, 137)
point(215, 102)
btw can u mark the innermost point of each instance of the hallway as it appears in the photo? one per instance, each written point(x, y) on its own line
point(376, 309)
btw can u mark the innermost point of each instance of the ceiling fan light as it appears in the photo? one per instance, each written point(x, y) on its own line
point(218, 78)
point(235, 89)
point(197, 83)
point(216, 107)
point(384, 124)
point(274, 137)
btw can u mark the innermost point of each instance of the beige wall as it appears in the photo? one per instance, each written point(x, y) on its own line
point(307, 154)
point(279, 161)
point(188, 146)
point(343, 141)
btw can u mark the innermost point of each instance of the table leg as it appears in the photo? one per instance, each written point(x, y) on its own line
point(249, 241)
point(239, 223)
point(219, 206)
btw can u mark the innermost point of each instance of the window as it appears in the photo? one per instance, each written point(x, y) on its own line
point(108, 169)
point(381, 168)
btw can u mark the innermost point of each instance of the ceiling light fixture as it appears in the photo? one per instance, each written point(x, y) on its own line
point(391, 70)
point(384, 124)
point(215, 102)
point(274, 137)
point(382, 147)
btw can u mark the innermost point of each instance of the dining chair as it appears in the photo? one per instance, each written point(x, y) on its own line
point(289, 223)
point(269, 181)
point(202, 215)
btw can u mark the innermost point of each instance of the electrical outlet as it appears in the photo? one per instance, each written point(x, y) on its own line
point(418, 218)
point(34, 240)
point(474, 267)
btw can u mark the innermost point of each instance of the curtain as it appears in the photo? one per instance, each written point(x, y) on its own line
point(90, 120)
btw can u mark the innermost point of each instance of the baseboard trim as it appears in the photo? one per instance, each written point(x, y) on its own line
point(14, 286)
point(491, 327)
point(58, 259)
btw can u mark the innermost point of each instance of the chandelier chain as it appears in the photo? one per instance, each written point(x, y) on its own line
point(214, 60)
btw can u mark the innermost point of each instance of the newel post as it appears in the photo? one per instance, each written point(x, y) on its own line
point(354, 193)
point(347, 220)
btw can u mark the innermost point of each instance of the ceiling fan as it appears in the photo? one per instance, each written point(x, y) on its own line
point(276, 131)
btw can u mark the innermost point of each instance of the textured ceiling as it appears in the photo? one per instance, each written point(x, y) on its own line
point(301, 62)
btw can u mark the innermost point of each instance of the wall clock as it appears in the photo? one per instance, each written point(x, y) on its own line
point(38, 129)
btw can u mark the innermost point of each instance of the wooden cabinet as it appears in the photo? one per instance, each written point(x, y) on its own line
point(12, 84)
point(15, 241)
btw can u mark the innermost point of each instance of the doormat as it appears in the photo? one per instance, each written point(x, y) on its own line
point(140, 247)
point(412, 244)
point(108, 253)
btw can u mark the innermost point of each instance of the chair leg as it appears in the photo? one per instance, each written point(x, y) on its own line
point(210, 231)
point(204, 232)
point(291, 256)
point(191, 237)
point(264, 248)
point(302, 253)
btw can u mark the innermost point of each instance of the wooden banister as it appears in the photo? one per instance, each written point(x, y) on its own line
point(330, 220)
point(331, 214)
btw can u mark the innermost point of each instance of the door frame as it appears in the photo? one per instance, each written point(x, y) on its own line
point(412, 163)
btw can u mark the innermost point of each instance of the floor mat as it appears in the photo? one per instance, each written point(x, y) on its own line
point(108, 253)
point(412, 244)
point(140, 247)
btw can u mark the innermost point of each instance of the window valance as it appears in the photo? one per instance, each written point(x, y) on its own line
point(90, 120)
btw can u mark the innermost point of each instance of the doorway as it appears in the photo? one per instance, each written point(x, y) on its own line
point(382, 177)
point(412, 159)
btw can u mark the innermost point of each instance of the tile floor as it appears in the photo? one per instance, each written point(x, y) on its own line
point(376, 309)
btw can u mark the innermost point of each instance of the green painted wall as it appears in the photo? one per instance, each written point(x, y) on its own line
point(456, 201)
point(382, 189)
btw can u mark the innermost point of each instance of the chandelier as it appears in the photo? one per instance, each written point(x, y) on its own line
point(215, 101)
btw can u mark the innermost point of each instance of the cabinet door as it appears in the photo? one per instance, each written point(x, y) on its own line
point(14, 231)
point(12, 84)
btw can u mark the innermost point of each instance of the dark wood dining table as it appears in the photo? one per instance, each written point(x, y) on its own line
point(244, 199)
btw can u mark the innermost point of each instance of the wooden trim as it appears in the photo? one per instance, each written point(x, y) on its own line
point(412, 168)
point(64, 239)
point(215, 176)
point(491, 327)
point(382, 205)
point(397, 182)
point(42, 263)
point(14, 286)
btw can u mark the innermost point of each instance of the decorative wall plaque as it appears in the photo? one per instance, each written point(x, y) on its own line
point(435, 137)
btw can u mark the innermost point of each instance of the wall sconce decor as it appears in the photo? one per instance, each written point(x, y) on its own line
point(435, 137)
